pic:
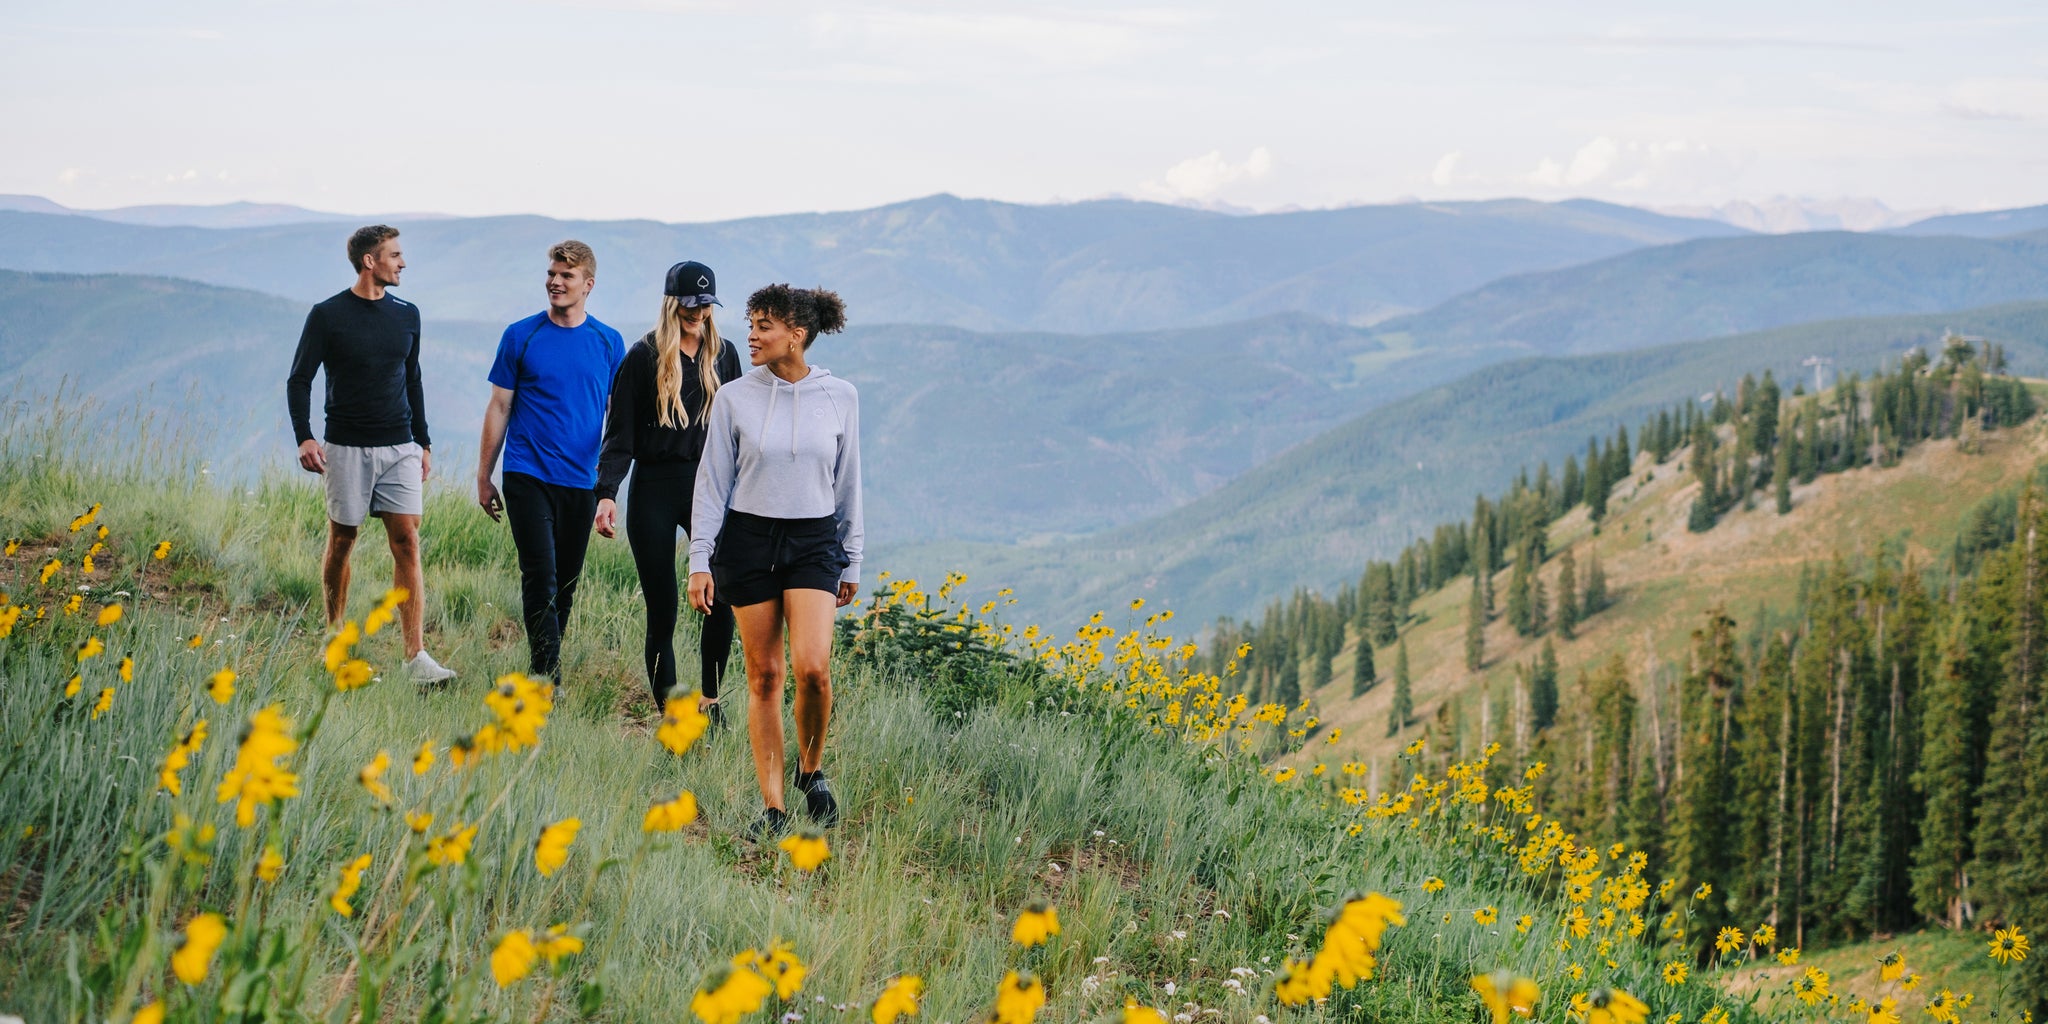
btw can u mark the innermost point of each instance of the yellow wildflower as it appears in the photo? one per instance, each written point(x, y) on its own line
point(1731, 939)
point(552, 850)
point(1485, 915)
point(353, 674)
point(89, 648)
point(667, 816)
point(1019, 998)
point(2008, 945)
point(558, 943)
point(1675, 972)
point(1891, 965)
point(106, 701)
point(452, 848)
point(1432, 884)
point(372, 778)
point(256, 778)
point(898, 1000)
point(161, 551)
point(777, 963)
point(339, 645)
point(127, 669)
point(1035, 925)
point(1613, 1006)
point(424, 760)
point(1284, 775)
point(270, 866)
point(221, 686)
point(419, 822)
point(203, 936)
point(513, 958)
point(730, 995)
point(109, 614)
point(345, 888)
point(1812, 986)
point(154, 1012)
point(1705, 890)
point(1789, 955)
point(807, 850)
point(1504, 993)
point(1766, 936)
point(1524, 923)
point(179, 757)
point(50, 569)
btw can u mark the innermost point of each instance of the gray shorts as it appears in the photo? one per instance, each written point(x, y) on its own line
point(362, 482)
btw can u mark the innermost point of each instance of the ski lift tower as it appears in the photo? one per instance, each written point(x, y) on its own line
point(1818, 363)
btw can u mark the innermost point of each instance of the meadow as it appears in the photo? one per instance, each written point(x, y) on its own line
point(1064, 824)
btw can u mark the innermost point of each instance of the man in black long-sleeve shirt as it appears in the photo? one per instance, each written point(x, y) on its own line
point(377, 453)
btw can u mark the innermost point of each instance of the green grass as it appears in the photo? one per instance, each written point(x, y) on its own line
point(1170, 863)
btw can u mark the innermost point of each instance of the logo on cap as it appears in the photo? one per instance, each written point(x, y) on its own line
point(703, 282)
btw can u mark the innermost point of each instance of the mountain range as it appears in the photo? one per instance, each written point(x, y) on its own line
point(1092, 399)
point(1084, 267)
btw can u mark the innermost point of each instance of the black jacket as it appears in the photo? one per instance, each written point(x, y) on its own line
point(631, 429)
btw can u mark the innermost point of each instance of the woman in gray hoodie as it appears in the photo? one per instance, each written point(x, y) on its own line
point(776, 532)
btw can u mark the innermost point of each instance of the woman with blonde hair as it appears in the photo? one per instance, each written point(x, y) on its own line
point(778, 534)
point(661, 402)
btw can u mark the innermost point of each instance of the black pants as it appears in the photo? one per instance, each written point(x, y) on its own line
point(657, 503)
point(551, 529)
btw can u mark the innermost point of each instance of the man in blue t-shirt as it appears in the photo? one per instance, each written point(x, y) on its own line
point(549, 385)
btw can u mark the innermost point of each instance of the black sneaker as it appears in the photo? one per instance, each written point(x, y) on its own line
point(769, 828)
point(818, 800)
point(716, 712)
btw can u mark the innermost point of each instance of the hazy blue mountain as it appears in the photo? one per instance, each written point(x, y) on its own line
point(1710, 287)
point(203, 363)
point(969, 436)
point(1082, 267)
point(219, 215)
point(1990, 224)
point(1367, 487)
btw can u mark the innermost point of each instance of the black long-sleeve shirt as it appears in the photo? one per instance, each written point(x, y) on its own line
point(632, 428)
point(371, 352)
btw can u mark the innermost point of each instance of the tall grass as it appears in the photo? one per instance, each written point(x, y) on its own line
point(1185, 871)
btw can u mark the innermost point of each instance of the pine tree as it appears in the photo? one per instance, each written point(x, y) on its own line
point(1573, 489)
point(1781, 478)
point(2001, 797)
point(1944, 777)
point(1287, 685)
point(1539, 605)
point(1519, 595)
point(1403, 707)
point(1475, 631)
point(1596, 588)
point(1598, 480)
point(1567, 595)
point(1363, 674)
point(1543, 689)
point(1699, 851)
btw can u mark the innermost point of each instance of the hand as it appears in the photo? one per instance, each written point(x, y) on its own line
point(487, 498)
point(700, 591)
point(426, 463)
point(846, 591)
point(607, 520)
point(312, 457)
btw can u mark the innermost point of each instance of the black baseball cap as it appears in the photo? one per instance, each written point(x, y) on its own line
point(694, 283)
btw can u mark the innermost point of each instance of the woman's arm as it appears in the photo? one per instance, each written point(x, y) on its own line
point(846, 497)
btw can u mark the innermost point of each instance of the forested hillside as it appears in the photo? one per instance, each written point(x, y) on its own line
point(1824, 688)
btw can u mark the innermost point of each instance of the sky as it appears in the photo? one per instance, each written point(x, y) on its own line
point(689, 110)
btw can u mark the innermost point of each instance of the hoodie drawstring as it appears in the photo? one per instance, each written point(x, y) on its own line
point(796, 405)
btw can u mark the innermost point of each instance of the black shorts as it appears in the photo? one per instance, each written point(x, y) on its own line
point(757, 558)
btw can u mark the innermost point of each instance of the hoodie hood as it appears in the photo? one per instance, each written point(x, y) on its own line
point(813, 382)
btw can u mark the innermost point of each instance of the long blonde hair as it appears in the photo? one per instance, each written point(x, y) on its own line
point(668, 364)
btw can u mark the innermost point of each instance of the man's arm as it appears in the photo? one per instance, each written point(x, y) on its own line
point(416, 395)
point(298, 392)
point(496, 413)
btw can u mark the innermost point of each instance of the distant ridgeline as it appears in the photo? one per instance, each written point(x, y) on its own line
point(1801, 763)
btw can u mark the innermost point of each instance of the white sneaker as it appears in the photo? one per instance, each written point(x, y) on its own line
point(425, 671)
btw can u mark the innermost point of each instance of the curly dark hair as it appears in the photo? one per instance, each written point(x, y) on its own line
point(815, 310)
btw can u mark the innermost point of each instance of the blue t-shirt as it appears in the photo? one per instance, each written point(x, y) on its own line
point(560, 378)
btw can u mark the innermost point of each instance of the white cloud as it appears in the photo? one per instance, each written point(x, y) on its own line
point(1998, 99)
point(1666, 166)
point(1201, 177)
point(1446, 167)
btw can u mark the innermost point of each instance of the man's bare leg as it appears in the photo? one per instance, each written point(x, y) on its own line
point(334, 572)
point(403, 533)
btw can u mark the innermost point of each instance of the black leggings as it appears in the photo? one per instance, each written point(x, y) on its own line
point(551, 529)
point(657, 503)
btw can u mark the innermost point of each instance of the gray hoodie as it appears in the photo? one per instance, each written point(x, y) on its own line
point(781, 450)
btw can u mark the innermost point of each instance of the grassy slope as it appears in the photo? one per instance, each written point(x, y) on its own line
point(952, 825)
